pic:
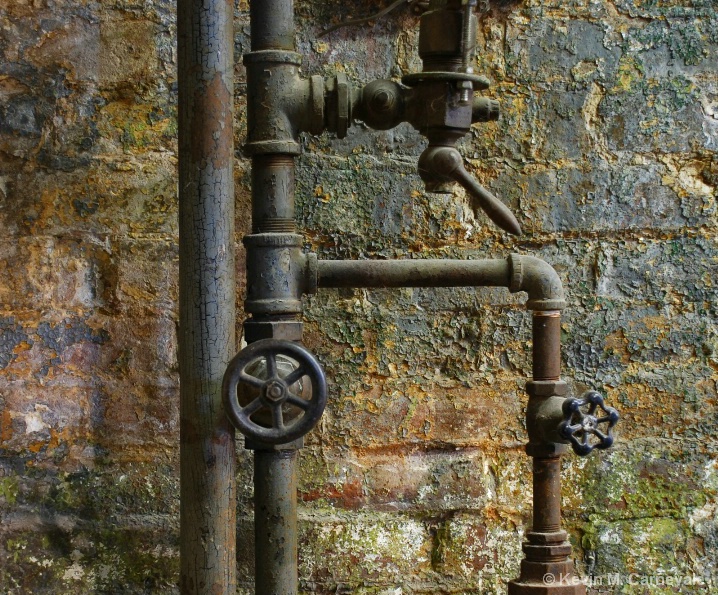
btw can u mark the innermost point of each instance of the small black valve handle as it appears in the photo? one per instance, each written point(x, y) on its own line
point(580, 422)
point(264, 393)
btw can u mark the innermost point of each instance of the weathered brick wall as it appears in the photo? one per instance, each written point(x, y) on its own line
point(415, 481)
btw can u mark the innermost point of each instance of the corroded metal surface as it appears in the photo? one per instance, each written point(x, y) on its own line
point(605, 151)
point(207, 296)
point(275, 531)
point(547, 568)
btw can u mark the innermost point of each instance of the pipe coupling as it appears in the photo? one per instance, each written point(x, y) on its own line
point(280, 103)
point(340, 101)
point(278, 274)
point(543, 415)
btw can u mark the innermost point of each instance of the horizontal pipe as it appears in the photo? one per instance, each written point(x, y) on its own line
point(414, 273)
point(518, 273)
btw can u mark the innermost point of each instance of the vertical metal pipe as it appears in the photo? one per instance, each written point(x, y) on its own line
point(547, 568)
point(272, 24)
point(273, 173)
point(546, 470)
point(547, 495)
point(273, 193)
point(207, 296)
point(547, 345)
point(275, 522)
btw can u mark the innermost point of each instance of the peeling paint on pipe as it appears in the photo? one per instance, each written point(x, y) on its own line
point(207, 296)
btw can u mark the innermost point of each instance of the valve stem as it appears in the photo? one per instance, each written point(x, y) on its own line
point(467, 51)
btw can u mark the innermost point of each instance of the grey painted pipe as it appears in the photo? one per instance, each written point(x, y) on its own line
point(207, 296)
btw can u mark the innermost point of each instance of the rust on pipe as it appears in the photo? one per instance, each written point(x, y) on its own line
point(546, 345)
point(519, 273)
point(547, 495)
point(207, 296)
point(275, 267)
point(547, 568)
point(273, 188)
point(272, 24)
point(275, 519)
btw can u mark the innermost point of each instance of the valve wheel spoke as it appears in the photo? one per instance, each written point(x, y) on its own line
point(298, 402)
point(271, 360)
point(277, 416)
point(251, 409)
point(580, 423)
point(251, 380)
point(295, 375)
point(283, 425)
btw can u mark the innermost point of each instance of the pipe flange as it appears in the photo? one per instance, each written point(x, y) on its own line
point(264, 147)
point(547, 388)
point(544, 305)
point(338, 105)
point(557, 551)
point(311, 274)
point(273, 240)
point(273, 306)
point(342, 91)
point(316, 113)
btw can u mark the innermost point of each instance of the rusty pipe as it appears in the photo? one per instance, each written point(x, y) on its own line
point(275, 524)
point(546, 345)
point(275, 265)
point(547, 550)
point(518, 273)
point(540, 280)
point(206, 295)
point(272, 25)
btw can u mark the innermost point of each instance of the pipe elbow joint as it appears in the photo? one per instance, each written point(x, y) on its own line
point(539, 280)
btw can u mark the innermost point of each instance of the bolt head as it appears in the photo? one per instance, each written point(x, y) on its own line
point(275, 391)
point(382, 100)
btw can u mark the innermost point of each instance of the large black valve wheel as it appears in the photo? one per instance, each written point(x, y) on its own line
point(274, 391)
